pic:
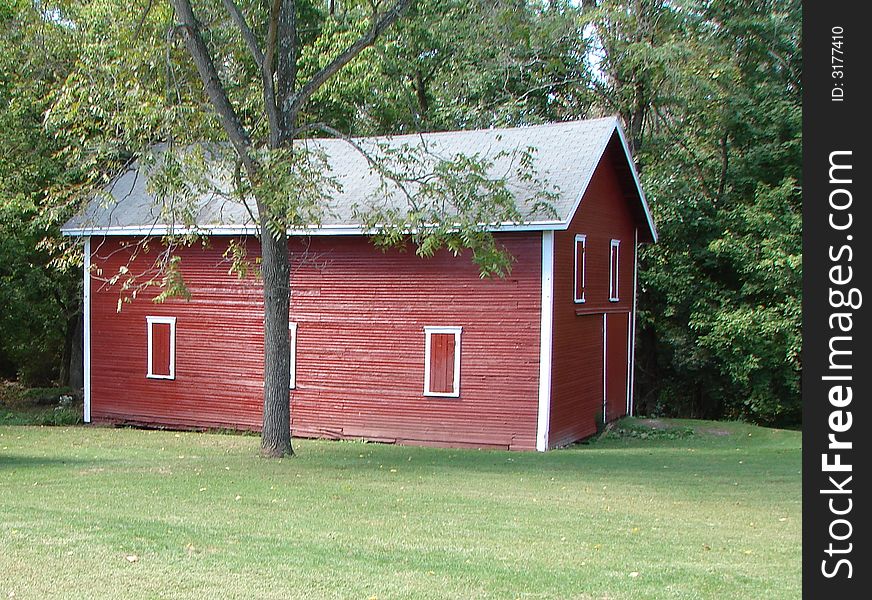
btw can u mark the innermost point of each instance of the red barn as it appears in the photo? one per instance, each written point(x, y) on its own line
point(386, 346)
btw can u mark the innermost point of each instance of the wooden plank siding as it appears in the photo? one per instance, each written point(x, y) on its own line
point(360, 315)
point(577, 384)
point(361, 345)
point(219, 343)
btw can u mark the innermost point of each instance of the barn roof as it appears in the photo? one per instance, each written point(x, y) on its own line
point(565, 156)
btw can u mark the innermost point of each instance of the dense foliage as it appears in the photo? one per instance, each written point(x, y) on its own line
point(709, 92)
point(38, 303)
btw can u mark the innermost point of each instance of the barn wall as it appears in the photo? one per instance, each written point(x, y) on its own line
point(360, 341)
point(219, 345)
point(360, 317)
point(577, 367)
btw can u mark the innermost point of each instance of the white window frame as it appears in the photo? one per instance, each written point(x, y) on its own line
point(614, 271)
point(583, 239)
point(428, 334)
point(292, 328)
point(172, 323)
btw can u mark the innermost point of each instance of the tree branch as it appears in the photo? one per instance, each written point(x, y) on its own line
point(264, 63)
point(212, 83)
point(142, 18)
point(294, 102)
point(271, 35)
point(245, 30)
point(283, 26)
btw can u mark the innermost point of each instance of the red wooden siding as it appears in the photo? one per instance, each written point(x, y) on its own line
point(605, 213)
point(218, 345)
point(360, 317)
point(361, 344)
point(442, 363)
point(576, 397)
point(160, 348)
point(616, 365)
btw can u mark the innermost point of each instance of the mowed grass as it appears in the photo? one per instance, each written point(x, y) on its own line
point(88, 512)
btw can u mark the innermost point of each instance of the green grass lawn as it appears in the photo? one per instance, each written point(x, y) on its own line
point(88, 512)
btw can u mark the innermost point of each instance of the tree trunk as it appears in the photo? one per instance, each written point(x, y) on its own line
point(421, 94)
point(283, 100)
point(276, 435)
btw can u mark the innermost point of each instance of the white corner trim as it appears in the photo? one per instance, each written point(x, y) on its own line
point(546, 331)
point(629, 356)
point(86, 328)
point(455, 385)
point(172, 323)
point(632, 374)
point(292, 327)
point(605, 367)
point(583, 239)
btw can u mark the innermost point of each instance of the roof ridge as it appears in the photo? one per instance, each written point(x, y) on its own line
point(454, 132)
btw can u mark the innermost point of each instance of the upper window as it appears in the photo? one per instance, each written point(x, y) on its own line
point(161, 347)
point(442, 361)
point(292, 333)
point(580, 244)
point(614, 261)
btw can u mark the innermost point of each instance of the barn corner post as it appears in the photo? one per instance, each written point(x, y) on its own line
point(86, 328)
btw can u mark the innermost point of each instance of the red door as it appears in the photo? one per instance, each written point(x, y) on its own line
point(617, 361)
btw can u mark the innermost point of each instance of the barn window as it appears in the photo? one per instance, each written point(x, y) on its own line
point(442, 361)
point(292, 333)
point(580, 245)
point(161, 347)
point(614, 254)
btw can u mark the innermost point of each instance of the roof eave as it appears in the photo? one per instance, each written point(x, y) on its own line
point(650, 220)
point(632, 166)
point(324, 230)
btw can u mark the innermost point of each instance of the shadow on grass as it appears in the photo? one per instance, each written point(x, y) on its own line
point(19, 461)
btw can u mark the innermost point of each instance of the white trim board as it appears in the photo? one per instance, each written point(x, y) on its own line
point(605, 367)
point(455, 386)
point(631, 376)
point(292, 328)
point(86, 328)
point(629, 357)
point(546, 332)
point(323, 230)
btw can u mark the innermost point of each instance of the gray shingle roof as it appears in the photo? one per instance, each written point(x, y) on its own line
point(565, 156)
